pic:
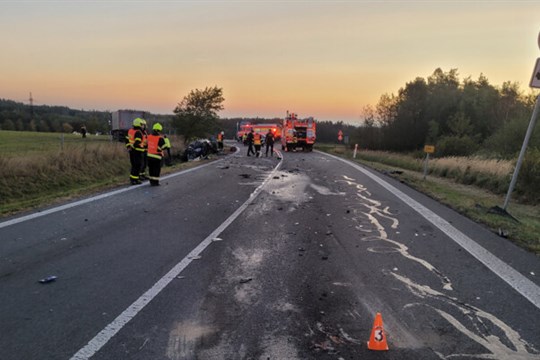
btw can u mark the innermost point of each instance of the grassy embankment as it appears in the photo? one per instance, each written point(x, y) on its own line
point(471, 186)
point(42, 168)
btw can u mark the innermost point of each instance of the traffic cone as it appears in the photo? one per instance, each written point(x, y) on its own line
point(377, 340)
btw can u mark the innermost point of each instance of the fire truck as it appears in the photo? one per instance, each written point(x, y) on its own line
point(298, 133)
point(245, 128)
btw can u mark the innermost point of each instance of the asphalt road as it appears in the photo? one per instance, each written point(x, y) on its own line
point(261, 258)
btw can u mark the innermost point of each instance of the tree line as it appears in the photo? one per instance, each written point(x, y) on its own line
point(460, 117)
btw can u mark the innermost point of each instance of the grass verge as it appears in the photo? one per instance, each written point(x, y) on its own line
point(40, 169)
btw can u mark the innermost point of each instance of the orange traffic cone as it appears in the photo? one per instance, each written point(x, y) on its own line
point(377, 340)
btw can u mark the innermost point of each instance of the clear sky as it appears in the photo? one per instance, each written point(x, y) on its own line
point(326, 59)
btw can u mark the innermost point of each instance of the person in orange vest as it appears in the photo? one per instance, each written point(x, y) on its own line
point(220, 140)
point(156, 144)
point(135, 148)
point(257, 142)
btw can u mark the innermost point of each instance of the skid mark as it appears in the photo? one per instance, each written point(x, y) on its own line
point(485, 329)
point(519, 349)
point(376, 214)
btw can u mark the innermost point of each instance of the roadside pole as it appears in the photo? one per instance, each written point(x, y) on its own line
point(522, 152)
point(354, 152)
point(535, 83)
point(428, 149)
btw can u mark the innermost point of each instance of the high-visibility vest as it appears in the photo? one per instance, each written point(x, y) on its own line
point(154, 149)
point(134, 139)
point(220, 137)
point(257, 139)
point(167, 143)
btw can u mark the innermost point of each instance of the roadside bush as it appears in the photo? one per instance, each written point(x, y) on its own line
point(456, 146)
point(528, 184)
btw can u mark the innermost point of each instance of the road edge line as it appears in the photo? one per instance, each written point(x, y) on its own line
point(511, 276)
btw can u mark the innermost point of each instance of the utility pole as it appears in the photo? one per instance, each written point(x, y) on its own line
point(31, 99)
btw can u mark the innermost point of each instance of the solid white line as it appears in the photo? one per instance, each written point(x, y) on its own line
point(512, 277)
point(110, 330)
point(94, 198)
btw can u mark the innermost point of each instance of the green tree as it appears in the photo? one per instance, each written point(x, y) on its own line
point(196, 115)
point(8, 125)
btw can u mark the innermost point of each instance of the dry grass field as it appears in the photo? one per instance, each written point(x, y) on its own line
point(38, 168)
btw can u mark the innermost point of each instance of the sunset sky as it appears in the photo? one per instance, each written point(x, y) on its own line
point(326, 59)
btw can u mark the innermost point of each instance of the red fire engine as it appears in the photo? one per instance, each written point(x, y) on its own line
point(298, 133)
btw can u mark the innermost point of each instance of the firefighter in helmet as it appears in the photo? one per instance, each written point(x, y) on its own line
point(144, 161)
point(135, 147)
point(156, 144)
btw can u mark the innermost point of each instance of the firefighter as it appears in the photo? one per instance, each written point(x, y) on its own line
point(257, 141)
point(135, 148)
point(156, 144)
point(249, 141)
point(167, 148)
point(144, 161)
point(269, 142)
point(220, 140)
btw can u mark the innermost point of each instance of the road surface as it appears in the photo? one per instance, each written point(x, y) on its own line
point(262, 258)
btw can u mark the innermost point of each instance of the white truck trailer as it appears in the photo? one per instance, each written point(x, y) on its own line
point(122, 121)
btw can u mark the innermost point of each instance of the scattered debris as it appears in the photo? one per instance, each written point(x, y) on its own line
point(532, 273)
point(48, 279)
point(245, 176)
point(243, 281)
point(223, 167)
point(195, 257)
point(503, 233)
point(217, 239)
point(325, 258)
point(276, 177)
point(336, 339)
point(301, 249)
point(180, 277)
point(328, 232)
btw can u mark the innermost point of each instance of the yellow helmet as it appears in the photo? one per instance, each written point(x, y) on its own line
point(157, 127)
point(138, 122)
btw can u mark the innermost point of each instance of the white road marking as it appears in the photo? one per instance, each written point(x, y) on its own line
point(512, 277)
point(114, 327)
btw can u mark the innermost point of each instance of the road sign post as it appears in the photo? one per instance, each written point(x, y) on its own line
point(428, 149)
point(522, 152)
point(535, 83)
